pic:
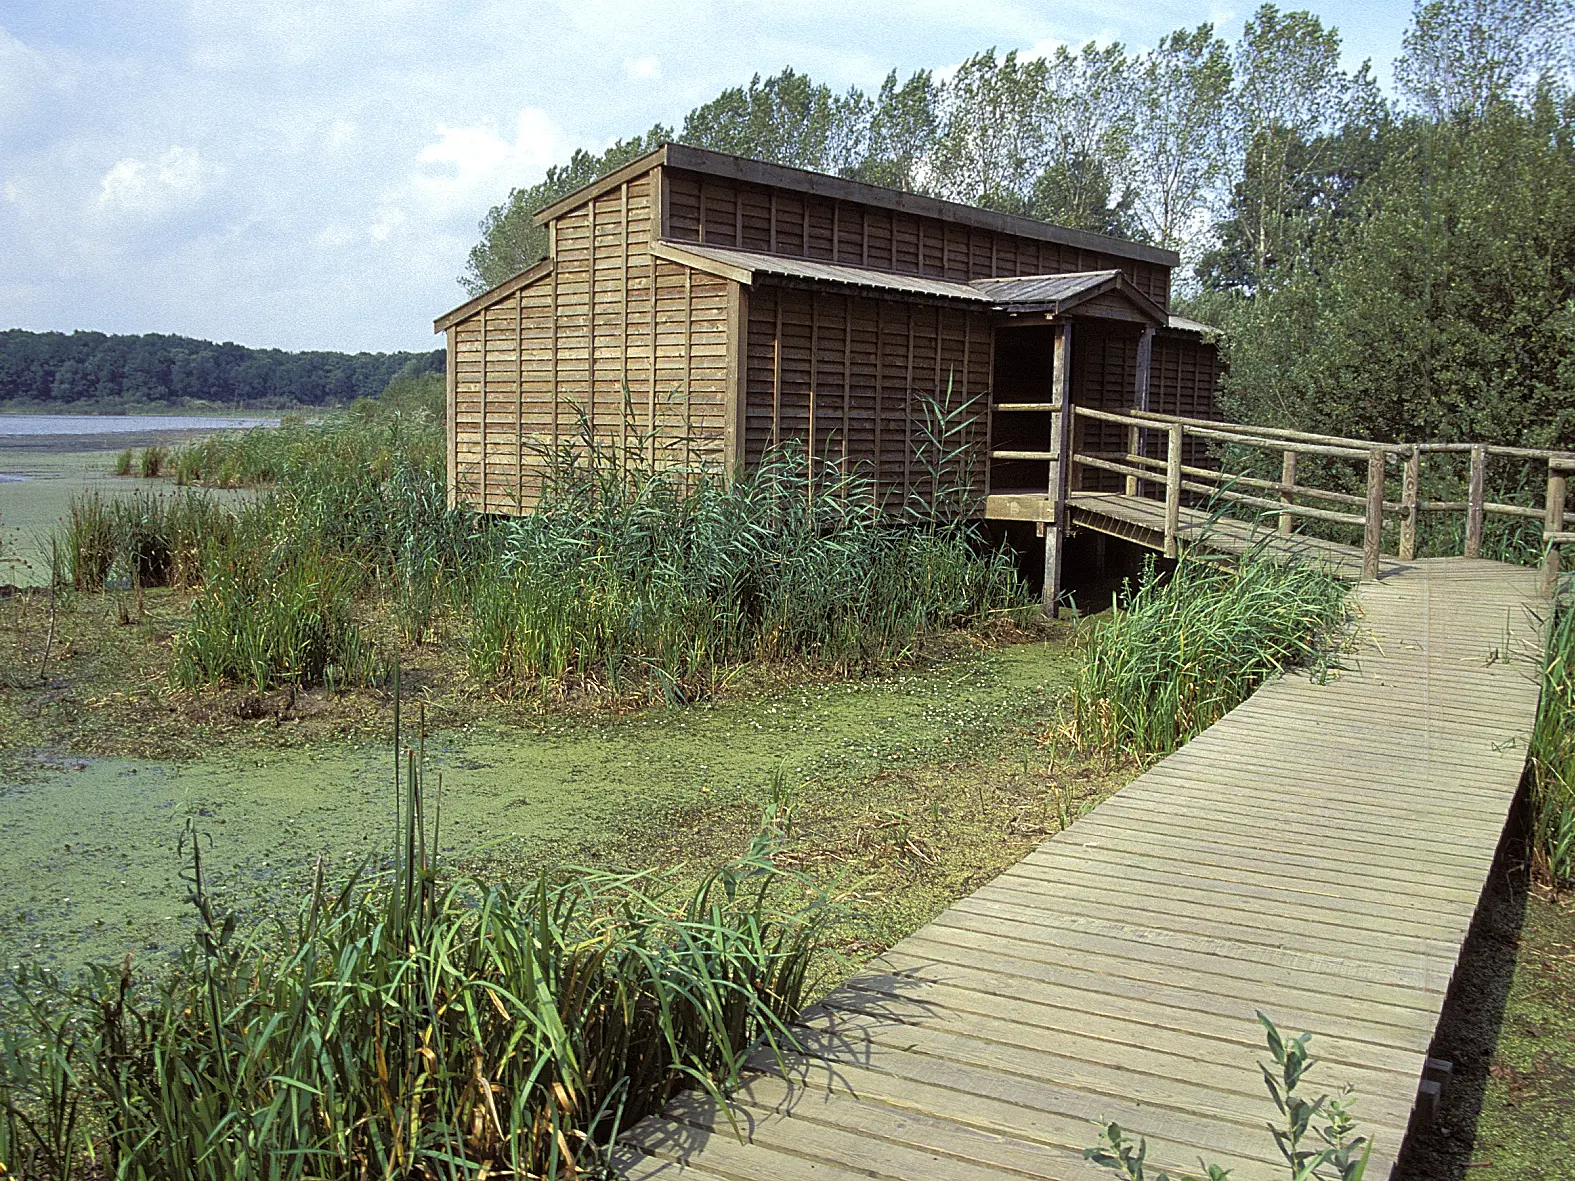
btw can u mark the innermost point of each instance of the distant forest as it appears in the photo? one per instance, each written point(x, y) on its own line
point(96, 371)
point(1395, 265)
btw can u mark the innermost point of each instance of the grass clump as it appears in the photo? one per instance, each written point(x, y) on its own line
point(409, 1026)
point(629, 578)
point(153, 461)
point(145, 539)
point(1180, 653)
point(124, 462)
point(1552, 754)
point(268, 620)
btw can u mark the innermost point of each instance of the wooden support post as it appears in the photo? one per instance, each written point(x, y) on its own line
point(1145, 357)
point(1410, 494)
point(1287, 492)
point(1132, 449)
point(1060, 448)
point(1553, 522)
point(1373, 532)
point(1173, 492)
point(1475, 495)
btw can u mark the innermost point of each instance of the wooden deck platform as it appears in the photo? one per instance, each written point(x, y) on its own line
point(1318, 854)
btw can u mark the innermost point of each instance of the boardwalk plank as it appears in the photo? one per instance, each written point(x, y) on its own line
point(1318, 854)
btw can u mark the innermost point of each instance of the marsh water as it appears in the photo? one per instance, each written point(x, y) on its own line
point(45, 459)
point(89, 848)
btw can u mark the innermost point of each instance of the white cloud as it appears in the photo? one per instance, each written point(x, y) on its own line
point(174, 182)
point(465, 161)
point(642, 67)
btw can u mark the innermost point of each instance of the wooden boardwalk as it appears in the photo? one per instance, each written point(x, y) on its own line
point(1318, 854)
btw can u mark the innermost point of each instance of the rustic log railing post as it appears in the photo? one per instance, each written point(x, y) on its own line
point(1288, 487)
point(1475, 495)
point(1553, 522)
point(1062, 434)
point(1410, 494)
point(1133, 487)
point(1373, 533)
point(1173, 492)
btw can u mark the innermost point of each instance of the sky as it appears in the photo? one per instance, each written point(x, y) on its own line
point(311, 175)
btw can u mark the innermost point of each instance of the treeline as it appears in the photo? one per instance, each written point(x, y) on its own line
point(93, 370)
point(1395, 265)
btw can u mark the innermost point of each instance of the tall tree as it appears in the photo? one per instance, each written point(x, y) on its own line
point(1086, 120)
point(990, 146)
point(1289, 98)
point(1178, 140)
point(1463, 56)
point(785, 119)
point(902, 131)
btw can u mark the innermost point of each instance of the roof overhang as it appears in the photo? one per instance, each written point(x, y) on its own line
point(1054, 296)
point(506, 288)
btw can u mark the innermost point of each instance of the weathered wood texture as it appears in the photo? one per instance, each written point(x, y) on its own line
point(694, 369)
point(722, 211)
point(632, 349)
point(856, 379)
point(1318, 854)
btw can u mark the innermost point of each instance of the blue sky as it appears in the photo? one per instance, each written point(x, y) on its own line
point(310, 175)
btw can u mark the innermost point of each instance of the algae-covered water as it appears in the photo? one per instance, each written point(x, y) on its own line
point(89, 867)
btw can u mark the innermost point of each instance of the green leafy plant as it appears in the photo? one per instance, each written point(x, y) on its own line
point(1179, 653)
point(1317, 1137)
point(405, 1022)
point(1552, 751)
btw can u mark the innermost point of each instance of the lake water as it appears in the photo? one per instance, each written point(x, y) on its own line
point(119, 424)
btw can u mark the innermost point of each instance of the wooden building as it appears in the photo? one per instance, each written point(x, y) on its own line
point(708, 307)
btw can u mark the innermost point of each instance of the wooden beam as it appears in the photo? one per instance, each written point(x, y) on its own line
point(1287, 492)
point(1553, 522)
point(734, 413)
point(1173, 491)
point(1410, 492)
point(1060, 446)
point(1475, 495)
point(1373, 527)
point(484, 439)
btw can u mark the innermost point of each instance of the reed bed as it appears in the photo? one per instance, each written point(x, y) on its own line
point(409, 1026)
point(1552, 754)
point(1177, 654)
point(634, 579)
point(144, 539)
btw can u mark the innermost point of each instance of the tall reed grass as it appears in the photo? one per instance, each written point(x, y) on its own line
point(1552, 754)
point(408, 1025)
point(144, 539)
point(631, 578)
point(273, 619)
point(1177, 654)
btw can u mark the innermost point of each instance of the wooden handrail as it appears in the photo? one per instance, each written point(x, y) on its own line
point(1181, 477)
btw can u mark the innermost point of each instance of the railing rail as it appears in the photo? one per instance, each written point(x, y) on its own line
point(1280, 496)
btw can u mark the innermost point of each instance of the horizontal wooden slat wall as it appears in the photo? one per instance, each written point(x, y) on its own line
point(849, 378)
point(720, 211)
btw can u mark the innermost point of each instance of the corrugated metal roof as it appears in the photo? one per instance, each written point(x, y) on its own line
point(826, 272)
point(1042, 289)
point(1183, 324)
